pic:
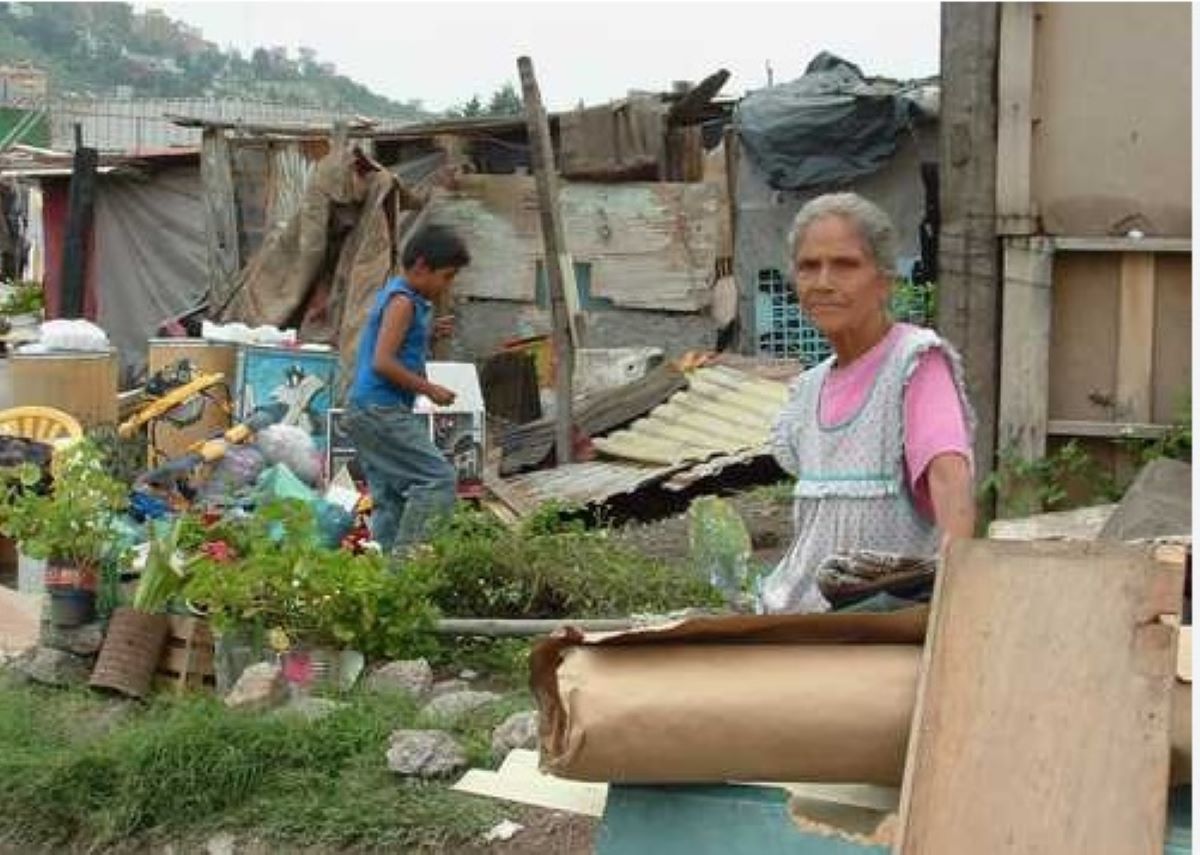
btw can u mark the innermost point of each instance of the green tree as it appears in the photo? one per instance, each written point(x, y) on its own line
point(506, 102)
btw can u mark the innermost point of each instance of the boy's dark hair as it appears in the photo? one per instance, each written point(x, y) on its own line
point(439, 246)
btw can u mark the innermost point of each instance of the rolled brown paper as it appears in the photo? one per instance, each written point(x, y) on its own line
point(825, 698)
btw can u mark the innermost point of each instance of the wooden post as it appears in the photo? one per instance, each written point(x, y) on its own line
point(1135, 339)
point(1025, 357)
point(542, 161)
point(79, 228)
point(220, 215)
point(969, 287)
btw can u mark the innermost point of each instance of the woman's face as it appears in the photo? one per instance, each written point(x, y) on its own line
point(839, 286)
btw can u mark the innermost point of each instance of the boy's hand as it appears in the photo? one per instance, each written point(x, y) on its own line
point(440, 395)
point(443, 327)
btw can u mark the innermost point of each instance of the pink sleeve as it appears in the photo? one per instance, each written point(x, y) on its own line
point(934, 423)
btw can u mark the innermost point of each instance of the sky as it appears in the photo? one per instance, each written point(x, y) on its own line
point(443, 53)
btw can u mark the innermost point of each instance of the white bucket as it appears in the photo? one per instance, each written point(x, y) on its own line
point(31, 574)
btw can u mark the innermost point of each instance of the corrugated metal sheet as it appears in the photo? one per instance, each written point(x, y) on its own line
point(585, 483)
point(722, 412)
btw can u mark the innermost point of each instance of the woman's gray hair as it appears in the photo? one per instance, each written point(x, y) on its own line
point(873, 225)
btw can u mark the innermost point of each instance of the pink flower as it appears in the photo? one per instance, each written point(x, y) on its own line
point(219, 551)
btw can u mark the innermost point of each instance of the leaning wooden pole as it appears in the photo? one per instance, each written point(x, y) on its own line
point(77, 243)
point(542, 157)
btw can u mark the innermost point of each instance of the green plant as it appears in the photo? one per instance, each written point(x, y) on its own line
point(165, 572)
point(26, 298)
point(268, 571)
point(1030, 486)
point(1175, 443)
point(75, 520)
point(548, 567)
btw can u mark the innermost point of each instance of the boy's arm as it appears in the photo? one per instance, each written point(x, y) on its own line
point(397, 318)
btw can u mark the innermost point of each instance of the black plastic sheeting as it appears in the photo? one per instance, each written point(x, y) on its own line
point(828, 127)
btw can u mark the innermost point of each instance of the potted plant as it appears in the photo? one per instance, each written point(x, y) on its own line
point(72, 525)
point(22, 304)
point(321, 609)
point(137, 633)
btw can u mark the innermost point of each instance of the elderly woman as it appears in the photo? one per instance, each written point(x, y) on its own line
point(878, 436)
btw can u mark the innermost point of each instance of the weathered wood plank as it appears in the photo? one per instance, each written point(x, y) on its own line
point(1014, 137)
point(1025, 348)
point(78, 239)
point(650, 245)
point(220, 214)
point(998, 759)
point(1135, 338)
point(542, 158)
point(968, 286)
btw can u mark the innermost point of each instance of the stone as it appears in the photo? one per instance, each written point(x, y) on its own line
point(261, 687)
point(424, 753)
point(519, 730)
point(55, 667)
point(221, 844)
point(448, 687)
point(412, 677)
point(450, 708)
point(83, 640)
point(468, 675)
point(309, 708)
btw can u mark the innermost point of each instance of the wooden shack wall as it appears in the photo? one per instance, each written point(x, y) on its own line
point(1111, 107)
point(1094, 214)
point(651, 246)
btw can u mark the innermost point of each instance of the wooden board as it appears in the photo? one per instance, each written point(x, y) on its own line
point(1172, 337)
point(1014, 132)
point(651, 245)
point(79, 383)
point(1135, 338)
point(1086, 297)
point(170, 440)
point(1025, 347)
point(1042, 714)
point(1112, 149)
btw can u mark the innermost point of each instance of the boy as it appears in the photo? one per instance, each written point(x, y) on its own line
point(410, 481)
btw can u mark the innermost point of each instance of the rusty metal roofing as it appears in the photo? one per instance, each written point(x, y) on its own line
point(722, 419)
point(584, 483)
point(723, 411)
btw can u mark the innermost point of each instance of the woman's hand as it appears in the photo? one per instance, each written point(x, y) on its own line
point(951, 489)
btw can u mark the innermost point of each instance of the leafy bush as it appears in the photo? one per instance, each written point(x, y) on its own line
point(76, 520)
point(267, 570)
point(25, 298)
point(548, 568)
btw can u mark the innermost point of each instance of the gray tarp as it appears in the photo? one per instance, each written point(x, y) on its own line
point(150, 257)
point(826, 128)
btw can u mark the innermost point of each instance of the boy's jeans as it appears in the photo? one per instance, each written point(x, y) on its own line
point(411, 482)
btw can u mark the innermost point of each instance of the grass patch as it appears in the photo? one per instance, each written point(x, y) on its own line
point(179, 767)
point(548, 567)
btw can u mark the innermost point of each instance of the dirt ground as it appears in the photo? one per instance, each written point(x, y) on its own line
point(767, 518)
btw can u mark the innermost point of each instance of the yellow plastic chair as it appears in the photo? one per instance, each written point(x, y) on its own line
point(44, 424)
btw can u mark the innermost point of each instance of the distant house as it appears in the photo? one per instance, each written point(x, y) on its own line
point(22, 84)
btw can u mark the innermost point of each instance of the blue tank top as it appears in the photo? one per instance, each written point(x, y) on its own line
point(371, 388)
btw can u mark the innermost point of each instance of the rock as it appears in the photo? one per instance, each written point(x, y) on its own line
point(412, 677)
point(261, 687)
point(55, 667)
point(220, 844)
point(309, 708)
point(468, 675)
point(450, 708)
point(424, 753)
point(448, 687)
point(519, 730)
point(83, 640)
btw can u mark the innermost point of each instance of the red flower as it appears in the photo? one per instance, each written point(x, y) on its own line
point(219, 551)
